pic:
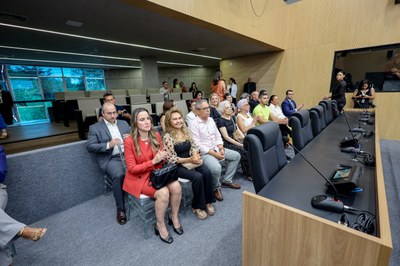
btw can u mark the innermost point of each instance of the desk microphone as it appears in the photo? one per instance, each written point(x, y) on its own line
point(349, 142)
point(324, 202)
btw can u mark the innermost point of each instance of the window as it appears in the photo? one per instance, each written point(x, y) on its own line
point(33, 87)
point(380, 65)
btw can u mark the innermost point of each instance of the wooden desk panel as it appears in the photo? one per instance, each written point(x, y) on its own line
point(277, 234)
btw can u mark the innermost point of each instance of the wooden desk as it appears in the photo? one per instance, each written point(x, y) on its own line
point(278, 234)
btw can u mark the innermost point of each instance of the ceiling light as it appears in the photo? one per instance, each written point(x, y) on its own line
point(69, 53)
point(108, 41)
point(178, 64)
point(73, 23)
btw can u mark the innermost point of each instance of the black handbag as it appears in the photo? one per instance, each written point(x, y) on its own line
point(161, 177)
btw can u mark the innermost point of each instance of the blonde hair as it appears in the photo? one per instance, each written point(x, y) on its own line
point(171, 130)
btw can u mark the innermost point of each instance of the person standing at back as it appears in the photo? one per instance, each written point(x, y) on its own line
point(218, 85)
point(338, 91)
point(289, 106)
point(250, 86)
point(232, 89)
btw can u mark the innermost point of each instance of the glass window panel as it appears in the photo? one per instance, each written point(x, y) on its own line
point(51, 85)
point(26, 89)
point(21, 71)
point(32, 111)
point(94, 73)
point(95, 84)
point(73, 72)
point(75, 84)
point(49, 71)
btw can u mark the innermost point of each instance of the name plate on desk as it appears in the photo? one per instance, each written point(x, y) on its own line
point(345, 178)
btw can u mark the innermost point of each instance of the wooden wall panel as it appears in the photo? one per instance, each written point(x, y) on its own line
point(310, 31)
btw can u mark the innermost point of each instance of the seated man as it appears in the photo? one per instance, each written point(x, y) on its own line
point(103, 139)
point(122, 113)
point(253, 101)
point(289, 105)
point(264, 112)
point(165, 90)
point(207, 137)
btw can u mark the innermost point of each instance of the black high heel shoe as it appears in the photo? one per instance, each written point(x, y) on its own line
point(179, 230)
point(168, 239)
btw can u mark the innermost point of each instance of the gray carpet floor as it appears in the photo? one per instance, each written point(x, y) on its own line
point(390, 151)
point(88, 234)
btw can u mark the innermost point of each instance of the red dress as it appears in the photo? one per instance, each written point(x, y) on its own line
point(138, 168)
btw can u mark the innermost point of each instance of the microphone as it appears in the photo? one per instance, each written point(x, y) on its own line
point(351, 150)
point(324, 202)
point(353, 141)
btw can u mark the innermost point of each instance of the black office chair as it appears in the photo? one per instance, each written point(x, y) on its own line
point(327, 105)
point(335, 109)
point(317, 117)
point(301, 128)
point(266, 153)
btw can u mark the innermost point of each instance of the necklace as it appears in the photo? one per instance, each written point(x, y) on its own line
point(146, 141)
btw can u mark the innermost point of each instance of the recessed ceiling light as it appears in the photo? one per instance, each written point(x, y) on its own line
point(73, 23)
point(109, 41)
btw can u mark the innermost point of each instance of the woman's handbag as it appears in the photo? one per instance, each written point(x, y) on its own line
point(237, 134)
point(161, 177)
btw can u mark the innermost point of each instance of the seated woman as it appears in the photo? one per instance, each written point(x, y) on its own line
point(228, 97)
point(214, 101)
point(183, 151)
point(276, 110)
point(227, 126)
point(166, 107)
point(143, 154)
point(244, 120)
point(198, 95)
point(192, 114)
point(364, 95)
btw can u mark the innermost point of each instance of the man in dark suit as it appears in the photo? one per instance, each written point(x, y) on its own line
point(249, 86)
point(289, 106)
point(103, 139)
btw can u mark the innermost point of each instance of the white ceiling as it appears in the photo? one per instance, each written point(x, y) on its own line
point(115, 21)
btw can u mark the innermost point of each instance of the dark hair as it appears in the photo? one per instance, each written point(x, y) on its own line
point(226, 95)
point(164, 82)
point(364, 81)
point(167, 106)
point(174, 83)
point(107, 94)
point(233, 80)
point(271, 99)
point(341, 71)
point(197, 93)
point(288, 91)
point(191, 86)
point(262, 93)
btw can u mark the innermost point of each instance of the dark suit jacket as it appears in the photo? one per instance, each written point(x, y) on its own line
point(98, 137)
point(287, 108)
